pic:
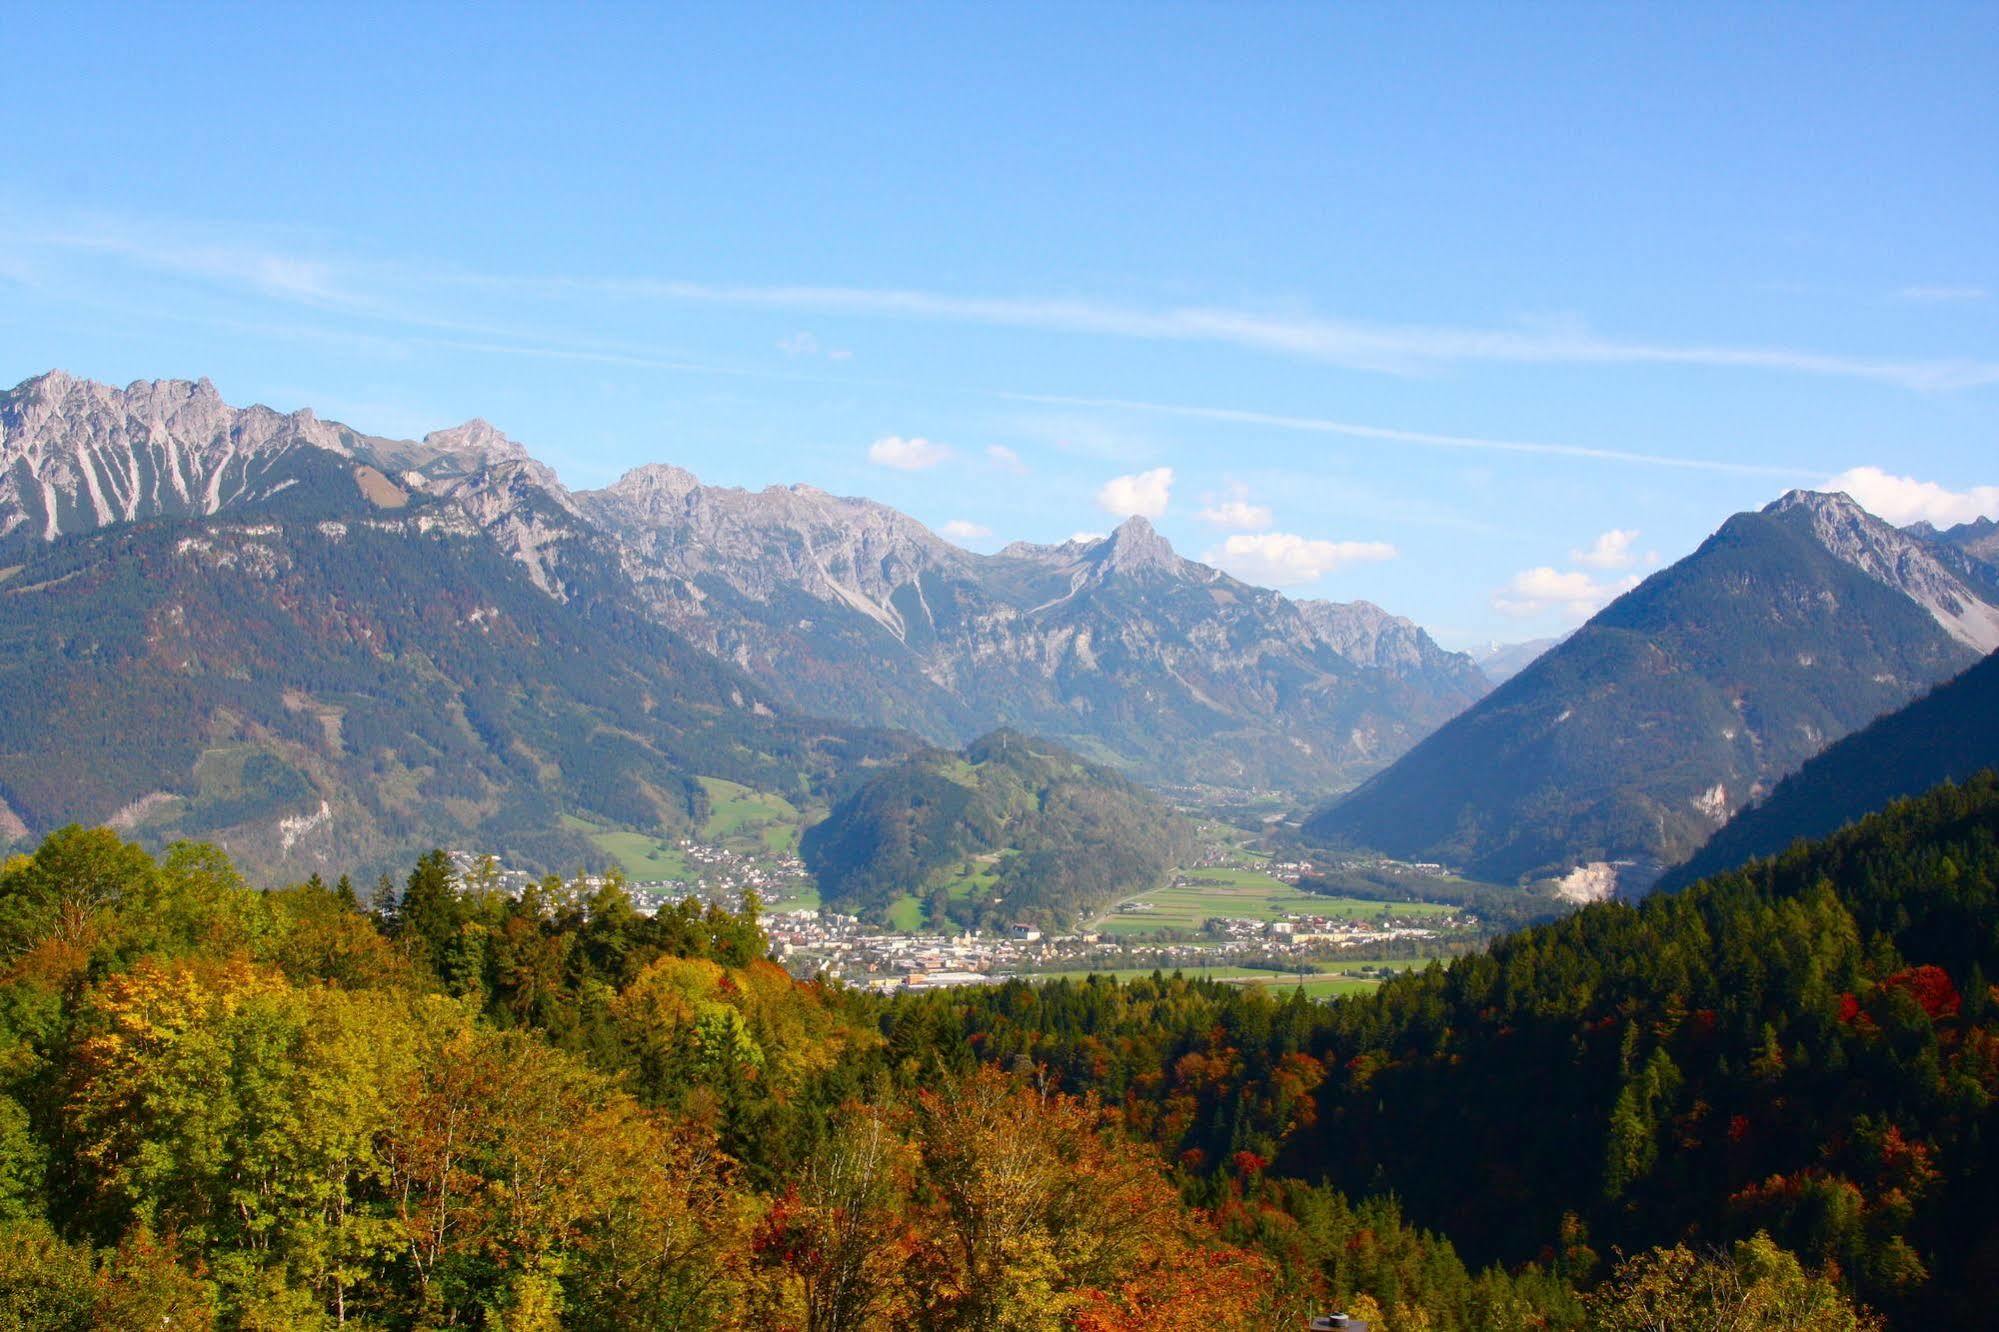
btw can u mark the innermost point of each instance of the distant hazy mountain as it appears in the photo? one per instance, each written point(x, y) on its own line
point(1683, 700)
point(1502, 661)
point(1012, 829)
point(1946, 735)
point(1118, 646)
point(1977, 541)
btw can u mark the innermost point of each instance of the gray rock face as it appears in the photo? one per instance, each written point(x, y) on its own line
point(1906, 563)
point(75, 455)
point(1118, 646)
point(842, 607)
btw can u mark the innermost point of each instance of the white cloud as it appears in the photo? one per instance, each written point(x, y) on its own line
point(1004, 458)
point(1235, 510)
point(960, 530)
point(1903, 499)
point(1085, 537)
point(1576, 595)
point(1284, 559)
point(1144, 493)
point(1611, 551)
point(906, 455)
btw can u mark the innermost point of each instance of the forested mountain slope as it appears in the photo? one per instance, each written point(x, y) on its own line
point(1946, 735)
point(1012, 829)
point(351, 691)
point(1683, 700)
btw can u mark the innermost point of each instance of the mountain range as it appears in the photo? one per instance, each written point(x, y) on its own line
point(1118, 647)
point(1621, 750)
point(243, 595)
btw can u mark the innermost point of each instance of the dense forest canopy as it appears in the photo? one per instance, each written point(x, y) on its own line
point(1754, 1101)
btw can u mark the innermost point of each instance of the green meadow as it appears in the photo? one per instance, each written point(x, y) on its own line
point(1248, 894)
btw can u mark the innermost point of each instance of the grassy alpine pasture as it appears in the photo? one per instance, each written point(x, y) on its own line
point(1247, 894)
point(905, 914)
point(739, 818)
point(1331, 980)
point(643, 857)
point(737, 813)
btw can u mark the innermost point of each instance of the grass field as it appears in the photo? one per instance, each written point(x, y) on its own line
point(1323, 985)
point(739, 818)
point(906, 914)
point(739, 814)
point(643, 857)
point(1247, 894)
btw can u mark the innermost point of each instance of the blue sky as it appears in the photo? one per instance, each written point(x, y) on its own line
point(1472, 311)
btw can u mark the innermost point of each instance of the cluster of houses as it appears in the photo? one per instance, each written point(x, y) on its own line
point(720, 876)
point(827, 943)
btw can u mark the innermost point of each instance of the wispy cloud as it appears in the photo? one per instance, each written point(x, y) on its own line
point(1005, 459)
point(1402, 349)
point(1354, 430)
point(1234, 509)
point(1614, 549)
point(1356, 345)
point(804, 344)
point(1943, 295)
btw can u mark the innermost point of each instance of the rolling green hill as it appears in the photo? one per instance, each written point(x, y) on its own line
point(1010, 829)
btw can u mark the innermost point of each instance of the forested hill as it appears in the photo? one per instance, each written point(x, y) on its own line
point(1808, 1045)
point(1011, 829)
point(1947, 735)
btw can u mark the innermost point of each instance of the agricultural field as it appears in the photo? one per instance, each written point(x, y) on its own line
point(643, 857)
point(1330, 980)
point(1246, 893)
point(746, 820)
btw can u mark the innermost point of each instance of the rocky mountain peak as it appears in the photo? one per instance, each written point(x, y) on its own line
point(475, 436)
point(1135, 546)
point(1891, 556)
point(655, 485)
